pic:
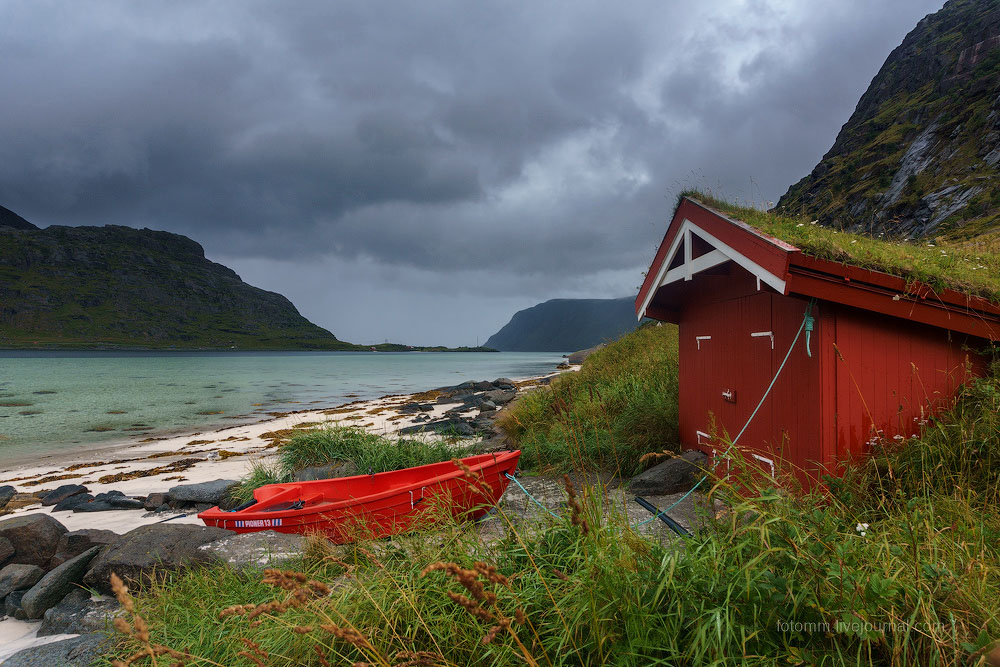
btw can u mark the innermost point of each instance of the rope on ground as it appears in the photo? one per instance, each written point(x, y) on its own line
point(530, 497)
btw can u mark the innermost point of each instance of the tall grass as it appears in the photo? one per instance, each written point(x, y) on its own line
point(957, 453)
point(368, 452)
point(621, 405)
point(775, 579)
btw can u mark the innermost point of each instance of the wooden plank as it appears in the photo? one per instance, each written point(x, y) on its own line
point(871, 299)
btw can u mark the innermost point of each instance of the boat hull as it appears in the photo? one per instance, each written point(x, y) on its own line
point(372, 506)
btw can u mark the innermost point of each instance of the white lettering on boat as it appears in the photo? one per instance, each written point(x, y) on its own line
point(257, 523)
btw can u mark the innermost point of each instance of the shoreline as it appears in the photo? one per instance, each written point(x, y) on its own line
point(190, 457)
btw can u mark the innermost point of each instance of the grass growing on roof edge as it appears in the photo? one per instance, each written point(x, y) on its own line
point(941, 264)
point(776, 579)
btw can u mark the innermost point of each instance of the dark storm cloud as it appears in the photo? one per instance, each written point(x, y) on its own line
point(540, 143)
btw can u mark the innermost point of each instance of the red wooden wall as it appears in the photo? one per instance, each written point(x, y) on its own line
point(889, 374)
point(815, 416)
point(730, 309)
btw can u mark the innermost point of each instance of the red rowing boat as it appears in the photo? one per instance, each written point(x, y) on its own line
point(371, 506)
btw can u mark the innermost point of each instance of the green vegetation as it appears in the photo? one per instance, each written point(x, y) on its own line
point(896, 569)
point(942, 265)
point(621, 405)
point(939, 85)
point(366, 452)
point(114, 287)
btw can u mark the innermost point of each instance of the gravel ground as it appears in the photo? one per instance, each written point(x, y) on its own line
point(550, 492)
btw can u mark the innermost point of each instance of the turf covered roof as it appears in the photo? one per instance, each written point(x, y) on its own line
point(942, 265)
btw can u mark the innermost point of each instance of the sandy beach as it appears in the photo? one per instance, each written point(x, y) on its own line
point(138, 469)
point(160, 463)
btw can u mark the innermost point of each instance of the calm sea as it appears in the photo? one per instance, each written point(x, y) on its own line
point(52, 401)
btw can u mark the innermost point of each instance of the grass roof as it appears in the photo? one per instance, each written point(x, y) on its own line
point(969, 267)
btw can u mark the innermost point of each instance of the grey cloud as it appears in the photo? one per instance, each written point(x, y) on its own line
point(519, 139)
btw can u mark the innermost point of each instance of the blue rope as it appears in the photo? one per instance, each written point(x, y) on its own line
point(807, 317)
point(530, 497)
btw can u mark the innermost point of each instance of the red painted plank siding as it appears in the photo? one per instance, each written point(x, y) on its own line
point(797, 398)
point(822, 407)
point(787, 424)
point(890, 374)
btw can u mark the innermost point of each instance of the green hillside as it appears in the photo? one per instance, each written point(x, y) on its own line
point(121, 287)
point(920, 156)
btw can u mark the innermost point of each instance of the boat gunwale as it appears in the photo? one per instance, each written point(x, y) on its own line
point(215, 513)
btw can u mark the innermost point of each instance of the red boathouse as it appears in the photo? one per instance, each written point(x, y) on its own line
point(878, 354)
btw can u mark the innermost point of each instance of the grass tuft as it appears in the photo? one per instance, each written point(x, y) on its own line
point(368, 452)
point(621, 405)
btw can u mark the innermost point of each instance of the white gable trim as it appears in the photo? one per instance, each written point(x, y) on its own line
point(720, 254)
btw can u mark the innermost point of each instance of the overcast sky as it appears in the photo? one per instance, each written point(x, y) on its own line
point(418, 171)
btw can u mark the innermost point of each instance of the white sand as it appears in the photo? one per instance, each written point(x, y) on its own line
point(18, 635)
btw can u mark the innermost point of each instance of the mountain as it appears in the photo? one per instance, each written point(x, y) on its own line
point(10, 219)
point(565, 325)
point(117, 286)
point(920, 156)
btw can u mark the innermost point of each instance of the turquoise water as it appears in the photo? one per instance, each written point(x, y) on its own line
point(55, 401)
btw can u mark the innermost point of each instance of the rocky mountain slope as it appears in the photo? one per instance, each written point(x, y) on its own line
point(10, 219)
point(920, 156)
point(118, 286)
point(565, 325)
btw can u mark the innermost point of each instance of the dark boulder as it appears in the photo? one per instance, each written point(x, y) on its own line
point(94, 506)
point(75, 542)
point(56, 584)
point(150, 551)
point(483, 425)
point(125, 503)
point(259, 550)
point(500, 396)
point(35, 538)
point(454, 426)
point(12, 605)
point(72, 502)
point(79, 651)
point(579, 357)
point(78, 613)
point(414, 408)
point(327, 471)
point(6, 549)
point(16, 577)
point(154, 501)
point(206, 492)
point(487, 406)
point(62, 493)
point(460, 429)
point(504, 383)
point(472, 385)
point(672, 476)
point(110, 500)
point(6, 493)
